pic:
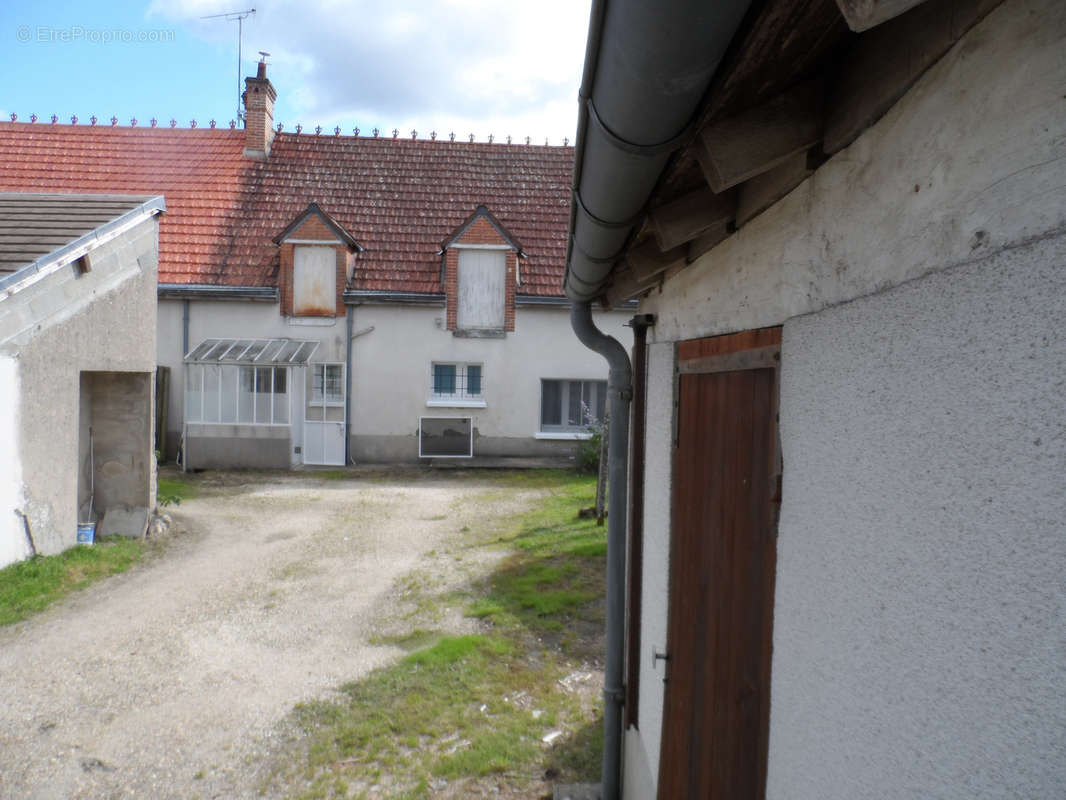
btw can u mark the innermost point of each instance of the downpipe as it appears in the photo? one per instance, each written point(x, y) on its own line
point(619, 395)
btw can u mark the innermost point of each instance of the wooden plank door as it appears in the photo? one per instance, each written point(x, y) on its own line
point(722, 562)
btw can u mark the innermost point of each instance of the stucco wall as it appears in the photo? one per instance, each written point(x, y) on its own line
point(103, 321)
point(983, 137)
point(392, 380)
point(391, 373)
point(13, 545)
point(919, 636)
point(972, 159)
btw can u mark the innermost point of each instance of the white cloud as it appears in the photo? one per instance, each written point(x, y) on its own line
point(472, 65)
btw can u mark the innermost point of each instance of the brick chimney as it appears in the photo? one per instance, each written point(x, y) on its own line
point(259, 97)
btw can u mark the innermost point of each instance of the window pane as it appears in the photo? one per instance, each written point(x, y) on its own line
point(317, 381)
point(194, 379)
point(228, 388)
point(262, 394)
point(246, 395)
point(281, 398)
point(551, 403)
point(210, 394)
point(334, 384)
point(574, 415)
point(444, 379)
point(601, 400)
point(473, 379)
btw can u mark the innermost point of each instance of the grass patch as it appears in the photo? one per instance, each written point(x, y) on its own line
point(33, 585)
point(175, 490)
point(333, 474)
point(472, 710)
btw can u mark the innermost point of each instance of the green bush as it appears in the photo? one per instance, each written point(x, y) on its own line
point(588, 451)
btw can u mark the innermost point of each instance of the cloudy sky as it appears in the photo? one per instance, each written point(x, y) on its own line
point(468, 66)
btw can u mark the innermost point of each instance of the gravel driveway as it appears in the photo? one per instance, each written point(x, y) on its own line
point(173, 680)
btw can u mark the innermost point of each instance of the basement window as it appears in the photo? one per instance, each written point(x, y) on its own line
point(445, 437)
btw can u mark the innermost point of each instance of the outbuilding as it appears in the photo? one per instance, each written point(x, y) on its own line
point(77, 367)
point(846, 226)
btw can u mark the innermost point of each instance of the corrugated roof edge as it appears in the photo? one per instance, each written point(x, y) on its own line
point(147, 207)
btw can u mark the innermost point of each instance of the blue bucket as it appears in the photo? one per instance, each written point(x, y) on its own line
point(86, 532)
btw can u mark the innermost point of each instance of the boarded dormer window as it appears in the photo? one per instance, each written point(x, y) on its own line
point(482, 289)
point(314, 281)
point(480, 275)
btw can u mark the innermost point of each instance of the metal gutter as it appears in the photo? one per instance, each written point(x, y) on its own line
point(203, 291)
point(647, 69)
point(359, 296)
point(64, 255)
point(619, 395)
point(553, 300)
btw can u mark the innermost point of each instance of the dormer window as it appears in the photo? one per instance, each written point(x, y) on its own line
point(482, 295)
point(314, 281)
point(480, 276)
point(317, 261)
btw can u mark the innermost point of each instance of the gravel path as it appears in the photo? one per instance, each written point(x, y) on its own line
point(172, 680)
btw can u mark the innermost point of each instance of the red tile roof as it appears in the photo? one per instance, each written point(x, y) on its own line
point(399, 197)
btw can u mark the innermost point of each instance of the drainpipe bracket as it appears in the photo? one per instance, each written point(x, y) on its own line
point(616, 696)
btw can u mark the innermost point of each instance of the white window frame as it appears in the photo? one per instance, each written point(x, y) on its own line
point(237, 368)
point(565, 430)
point(326, 400)
point(460, 398)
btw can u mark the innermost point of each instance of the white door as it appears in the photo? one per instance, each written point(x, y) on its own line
point(324, 415)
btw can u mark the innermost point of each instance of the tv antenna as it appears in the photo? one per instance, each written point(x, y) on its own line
point(239, 17)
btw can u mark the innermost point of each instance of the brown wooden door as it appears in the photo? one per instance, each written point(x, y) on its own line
point(716, 716)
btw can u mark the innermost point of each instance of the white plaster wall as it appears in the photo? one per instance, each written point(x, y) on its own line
point(169, 353)
point(392, 367)
point(642, 746)
point(973, 158)
point(983, 136)
point(13, 545)
point(390, 381)
point(63, 325)
point(920, 614)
